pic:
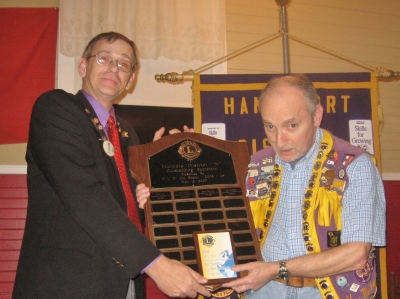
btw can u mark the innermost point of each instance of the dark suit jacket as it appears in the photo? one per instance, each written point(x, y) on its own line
point(78, 241)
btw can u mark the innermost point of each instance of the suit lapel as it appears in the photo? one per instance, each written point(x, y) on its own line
point(92, 117)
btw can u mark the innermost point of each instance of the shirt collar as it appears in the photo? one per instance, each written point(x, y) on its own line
point(101, 112)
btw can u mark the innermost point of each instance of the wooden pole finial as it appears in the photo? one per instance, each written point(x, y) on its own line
point(282, 2)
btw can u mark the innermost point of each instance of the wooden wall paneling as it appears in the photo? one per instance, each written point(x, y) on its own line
point(13, 203)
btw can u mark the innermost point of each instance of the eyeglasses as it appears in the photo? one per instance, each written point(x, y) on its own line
point(105, 59)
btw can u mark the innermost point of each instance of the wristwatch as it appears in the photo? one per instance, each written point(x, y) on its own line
point(283, 271)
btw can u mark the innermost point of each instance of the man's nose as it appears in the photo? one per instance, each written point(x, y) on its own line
point(281, 139)
point(113, 67)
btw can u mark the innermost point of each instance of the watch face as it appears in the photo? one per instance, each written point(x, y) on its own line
point(283, 271)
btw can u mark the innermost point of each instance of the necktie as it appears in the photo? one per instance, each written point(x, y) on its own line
point(119, 160)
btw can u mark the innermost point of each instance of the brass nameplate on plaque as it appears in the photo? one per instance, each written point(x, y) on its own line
point(197, 185)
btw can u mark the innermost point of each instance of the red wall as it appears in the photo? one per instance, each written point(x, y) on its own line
point(392, 190)
point(13, 202)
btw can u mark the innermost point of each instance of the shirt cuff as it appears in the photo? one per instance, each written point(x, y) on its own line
point(149, 265)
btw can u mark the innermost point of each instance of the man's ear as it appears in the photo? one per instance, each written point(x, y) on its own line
point(82, 67)
point(319, 112)
point(130, 81)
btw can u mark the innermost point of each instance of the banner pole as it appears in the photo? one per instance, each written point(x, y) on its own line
point(285, 43)
point(285, 39)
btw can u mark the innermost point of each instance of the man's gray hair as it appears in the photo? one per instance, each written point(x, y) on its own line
point(301, 82)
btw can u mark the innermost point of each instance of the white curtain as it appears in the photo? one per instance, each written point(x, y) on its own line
point(175, 29)
point(171, 36)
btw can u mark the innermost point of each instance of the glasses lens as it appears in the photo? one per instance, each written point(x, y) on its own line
point(104, 59)
point(125, 65)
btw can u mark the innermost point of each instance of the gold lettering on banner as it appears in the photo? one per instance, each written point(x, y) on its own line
point(229, 105)
point(330, 104)
point(243, 106)
point(265, 142)
point(345, 103)
point(254, 145)
point(256, 105)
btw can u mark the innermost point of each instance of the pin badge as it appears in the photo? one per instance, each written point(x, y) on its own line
point(108, 148)
point(347, 159)
point(333, 238)
point(329, 175)
point(88, 111)
point(338, 185)
point(342, 172)
point(124, 134)
point(267, 160)
point(354, 287)
point(252, 164)
point(341, 281)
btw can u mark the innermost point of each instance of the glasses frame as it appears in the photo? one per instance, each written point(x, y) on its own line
point(111, 61)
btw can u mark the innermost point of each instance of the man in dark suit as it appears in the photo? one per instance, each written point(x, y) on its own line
point(79, 241)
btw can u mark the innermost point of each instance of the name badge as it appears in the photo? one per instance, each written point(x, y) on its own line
point(108, 148)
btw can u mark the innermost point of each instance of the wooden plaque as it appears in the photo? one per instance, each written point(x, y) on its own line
point(197, 184)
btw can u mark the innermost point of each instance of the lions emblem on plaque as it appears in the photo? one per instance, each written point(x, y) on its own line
point(189, 150)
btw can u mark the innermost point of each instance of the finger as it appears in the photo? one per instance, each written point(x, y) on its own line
point(174, 131)
point(240, 268)
point(140, 186)
point(200, 279)
point(240, 289)
point(203, 291)
point(187, 129)
point(142, 203)
point(158, 134)
point(142, 191)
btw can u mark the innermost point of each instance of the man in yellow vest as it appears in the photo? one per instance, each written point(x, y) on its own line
point(318, 204)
